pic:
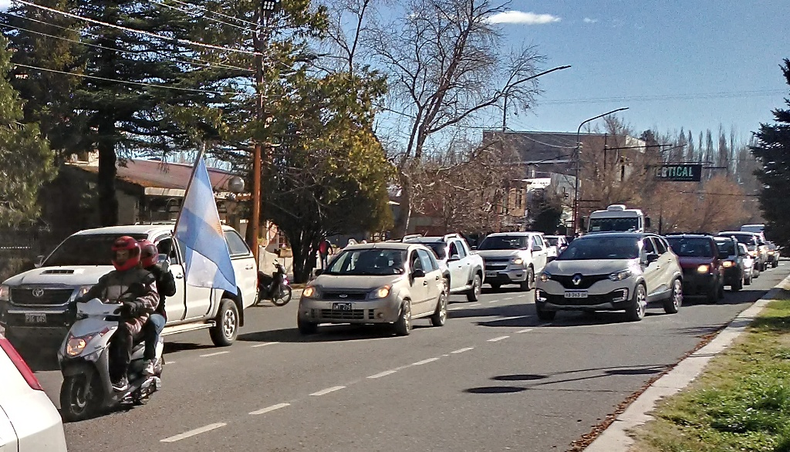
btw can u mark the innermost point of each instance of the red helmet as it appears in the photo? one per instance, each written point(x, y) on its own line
point(148, 253)
point(132, 248)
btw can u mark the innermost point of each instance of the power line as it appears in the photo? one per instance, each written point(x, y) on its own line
point(144, 33)
point(204, 9)
point(191, 14)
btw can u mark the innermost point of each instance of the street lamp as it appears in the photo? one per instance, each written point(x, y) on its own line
point(578, 163)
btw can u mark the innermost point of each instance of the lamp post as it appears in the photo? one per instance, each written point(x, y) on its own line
point(578, 164)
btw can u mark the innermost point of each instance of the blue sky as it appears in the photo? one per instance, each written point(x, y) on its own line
point(674, 63)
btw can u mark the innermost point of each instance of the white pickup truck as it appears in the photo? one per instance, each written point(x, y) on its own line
point(33, 304)
point(464, 269)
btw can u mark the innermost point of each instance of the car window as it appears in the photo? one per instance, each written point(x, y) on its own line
point(726, 246)
point(165, 246)
point(427, 262)
point(647, 246)
point(453, 249)
point(598, 247)
point(438, 248)
point(86, 249)
point(659, 245)
point(416, 263)
point(367, 261)
point(504, 242)
point(236, 245)
point(691, 247)
point(460, 248)
point(552, 241)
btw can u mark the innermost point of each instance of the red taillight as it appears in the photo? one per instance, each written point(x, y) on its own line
point(20, 364)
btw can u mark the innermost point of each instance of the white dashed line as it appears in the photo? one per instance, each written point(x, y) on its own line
point(264, 344)
point(516, 317)
point(509, 298)
point(461, 350)
point(473, 305)
point(425, 361)
point(270, 408)
point(497, 339)
point(213, 354)
point(524, 331)
point(327, 391)
point(495, 301)
point(455, 308)
point(382, 374)
point(194, 432)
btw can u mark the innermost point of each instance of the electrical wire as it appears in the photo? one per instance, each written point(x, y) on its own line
point(204, 9)
point(191, 14)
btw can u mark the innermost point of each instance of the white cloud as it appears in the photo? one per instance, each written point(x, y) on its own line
point(4, 4)
point(587, 20)
point(520, 17)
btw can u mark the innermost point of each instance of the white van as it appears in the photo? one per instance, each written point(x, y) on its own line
point(617, 218)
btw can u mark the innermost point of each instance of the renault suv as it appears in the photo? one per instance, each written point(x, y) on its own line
point(703, 273)
point(612, 272)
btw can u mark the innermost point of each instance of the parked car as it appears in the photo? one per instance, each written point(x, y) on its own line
point(748, 265)
point(703, 273)
point(28, 420)
point(390, 283)
point(33, 304)
point(732, 263)
point(465, 268)
point(613, 272)
point(773, 254)
point(556, 245)
point(756, 247)
point(513, 258)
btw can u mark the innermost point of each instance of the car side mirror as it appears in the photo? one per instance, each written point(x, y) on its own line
point(318, 272)
point(39, 261)
point(652, 257)
point(455, 257)
point(418, 273)
point(537, 248)
point(474, 247)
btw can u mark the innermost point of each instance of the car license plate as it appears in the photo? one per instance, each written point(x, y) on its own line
point(341, 306)
point(575, 294)
point(35, 318)
point(491, 274)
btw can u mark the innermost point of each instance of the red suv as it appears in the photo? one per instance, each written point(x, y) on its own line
point(703, 273)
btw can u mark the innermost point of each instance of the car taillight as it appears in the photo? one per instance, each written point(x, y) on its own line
point(20, 364)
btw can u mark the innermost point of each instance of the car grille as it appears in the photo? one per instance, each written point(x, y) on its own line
point(46, 296)
point(591, 300)
point(496, 264)
point(344, 295)
point(354, 314)
point(586, 282)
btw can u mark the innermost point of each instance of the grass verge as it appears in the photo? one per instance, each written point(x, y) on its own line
point(741, 402)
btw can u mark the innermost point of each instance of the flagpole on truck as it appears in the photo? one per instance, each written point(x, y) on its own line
point(200, 153)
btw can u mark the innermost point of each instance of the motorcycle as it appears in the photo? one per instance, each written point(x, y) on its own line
point(84, 359)
point(276, 287)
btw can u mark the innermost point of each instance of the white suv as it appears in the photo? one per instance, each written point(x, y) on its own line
point(513, 258)
point(464, 268)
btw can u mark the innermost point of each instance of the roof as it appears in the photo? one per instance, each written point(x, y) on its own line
point(158, 174)
point(598, 235)
point(382, 245)
point(141, 229)
point(515, 233)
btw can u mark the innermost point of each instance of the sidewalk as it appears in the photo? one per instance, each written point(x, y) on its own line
point(615, 438)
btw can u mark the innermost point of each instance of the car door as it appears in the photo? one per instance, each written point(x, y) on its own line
point(175, 306)
point(243, 266)
point(434, 279)
point(539, 253)
point(457, 264)
point(197, 300)
point(665, 264)
point(651, 271)
point(419, 285)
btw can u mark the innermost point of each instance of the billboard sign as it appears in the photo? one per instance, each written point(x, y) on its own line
point(682, 172)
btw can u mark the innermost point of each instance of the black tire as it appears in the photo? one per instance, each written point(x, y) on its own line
point(80, 400)
point(439, 317)
point(545, 315)
point(477, 286)
point(402, 326)
point(737, 286)
point(675, 300)
point(306, 328)
point(227, 328)
point(774, 264)
point(529, 283)
point(636, 310)
point(721, 291)
point(747, 280)
point(495, 286)
point(283, 297)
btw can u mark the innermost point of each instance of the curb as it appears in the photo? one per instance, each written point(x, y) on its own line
point(615, 438)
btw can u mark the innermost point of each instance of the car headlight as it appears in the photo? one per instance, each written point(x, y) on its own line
point(381, 292)
point(518, 261)
point(82, 291)
point(728, 264)
point(310, 292)
point(5, 293)
point(703, 268)
point(770, 252)
point(76, 345)
point(544, 276)
point(620, 275)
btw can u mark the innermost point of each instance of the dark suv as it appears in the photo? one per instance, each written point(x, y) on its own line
point(703, 274)
point(732, 263)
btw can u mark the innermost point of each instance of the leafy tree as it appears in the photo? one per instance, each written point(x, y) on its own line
point(26, 161)
point(773, 151)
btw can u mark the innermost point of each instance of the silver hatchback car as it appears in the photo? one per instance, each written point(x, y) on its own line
point(388, 282)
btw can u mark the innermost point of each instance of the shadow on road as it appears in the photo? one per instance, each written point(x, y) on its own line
point(326, 333)
point(172, 347)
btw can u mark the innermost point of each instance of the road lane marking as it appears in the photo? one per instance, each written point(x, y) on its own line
point(194, 432)
point(425, 361)
point(270, 408)
point(382, 374)
point(524, 331)
point(264, 344)
point(515, 317)
point(508, 298)
point(327, 391)
point(456, 308)
point(497, 339)
point(495, 301)
point(461, 350)
point(213, 354)
point(473, 305)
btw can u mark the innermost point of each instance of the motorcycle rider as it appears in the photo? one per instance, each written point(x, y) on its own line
point(166, 287)
point(136, 289)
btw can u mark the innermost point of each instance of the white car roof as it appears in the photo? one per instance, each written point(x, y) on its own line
point(148, 229)
point(385, 245)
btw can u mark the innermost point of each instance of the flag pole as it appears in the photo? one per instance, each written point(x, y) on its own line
point(201, 151)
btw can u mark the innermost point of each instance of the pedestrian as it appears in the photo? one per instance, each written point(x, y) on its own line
point(324, 250)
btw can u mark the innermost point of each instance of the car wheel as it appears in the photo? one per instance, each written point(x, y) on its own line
point(530, 281)
point(477, 287)
point(774, 264)
point(721, 291)
point(544, 314)
point(440, 316)
point(305, 327)
point(636, 311)
point(227, 328)
point(675, 301)
point(403, 324)
point(747, 280)
point(737, 285)
point(495, 286)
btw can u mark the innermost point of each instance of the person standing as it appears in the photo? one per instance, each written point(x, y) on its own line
point(324, 250)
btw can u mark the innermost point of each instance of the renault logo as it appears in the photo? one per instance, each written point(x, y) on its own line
point(342, 295)
point(38, 293)
point(577, 279)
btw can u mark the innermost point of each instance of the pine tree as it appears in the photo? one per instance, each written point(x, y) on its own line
point(773, 151)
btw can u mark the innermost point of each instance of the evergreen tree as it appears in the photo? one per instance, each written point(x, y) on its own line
point(773, 151)
point(25, 157)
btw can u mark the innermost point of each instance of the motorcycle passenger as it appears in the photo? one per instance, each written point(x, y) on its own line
point(136, 289)
point(166, 287)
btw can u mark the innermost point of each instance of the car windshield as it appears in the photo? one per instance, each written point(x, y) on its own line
point(439, 249)
point(370, 261)
point(600, 247)
point(94, 249)
point(688, 247)
point(552, 241)
point(746, 239)
point(614, 224)
point(726, 247)
point(504, 242)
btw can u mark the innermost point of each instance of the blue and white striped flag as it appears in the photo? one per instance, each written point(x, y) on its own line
point(199, 232)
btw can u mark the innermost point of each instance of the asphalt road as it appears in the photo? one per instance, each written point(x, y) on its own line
point(493, 379)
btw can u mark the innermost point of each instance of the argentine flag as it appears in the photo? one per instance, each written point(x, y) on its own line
point(200, 235)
